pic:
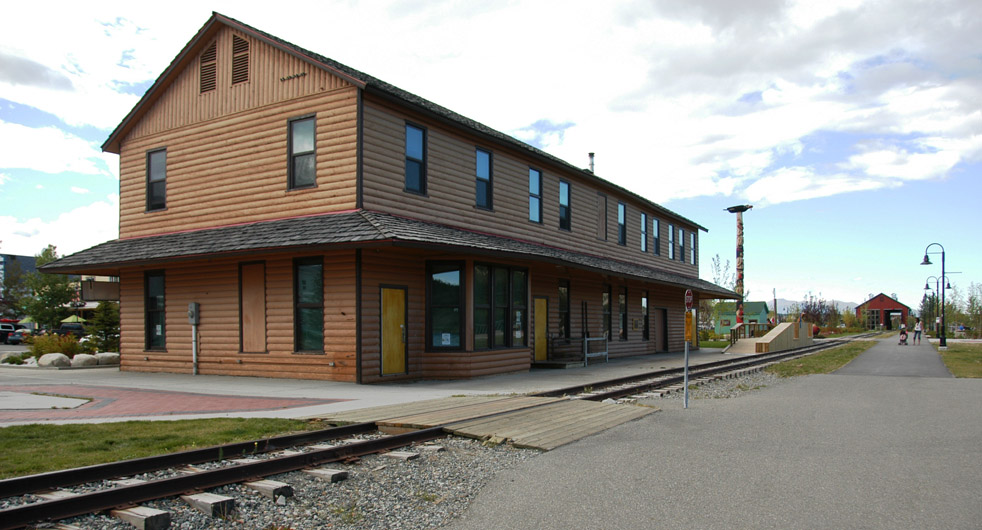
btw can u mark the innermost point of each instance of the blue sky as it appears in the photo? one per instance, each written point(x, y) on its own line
point(854, 128)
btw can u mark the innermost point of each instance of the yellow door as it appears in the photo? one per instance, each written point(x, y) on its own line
point(541, 328)
point(394, 331)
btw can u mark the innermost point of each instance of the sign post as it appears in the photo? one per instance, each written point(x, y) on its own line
point(688, 334)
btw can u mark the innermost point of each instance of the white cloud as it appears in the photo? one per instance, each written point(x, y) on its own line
point(80, 191)
point(678, 98)
point(799, 183)
point(51, 150)
point(4, 178)
point(70, 232)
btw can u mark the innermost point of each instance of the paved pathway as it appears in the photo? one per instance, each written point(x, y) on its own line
point(824, 451)
point(889, 358)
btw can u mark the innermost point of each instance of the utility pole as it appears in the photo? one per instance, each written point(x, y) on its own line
point(738, 210)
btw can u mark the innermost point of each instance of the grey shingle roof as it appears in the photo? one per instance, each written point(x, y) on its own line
point(348, 229)
point(373, 84)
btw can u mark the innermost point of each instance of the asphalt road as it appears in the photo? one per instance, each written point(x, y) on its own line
point(826, 451)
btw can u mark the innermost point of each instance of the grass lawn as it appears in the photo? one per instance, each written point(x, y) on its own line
point(37, 448)
point(823, 362)
point(963, 359)
point(714, 343)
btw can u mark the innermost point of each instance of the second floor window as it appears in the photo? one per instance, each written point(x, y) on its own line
point(484, 191)
point(682, 245)
point(535, 195)
point(303, 167)
point(644, 232)
point(621, 224)
point(564, 211)
point(692, 246)
point(157, 179)
point(671, 241)
point(656, 236)
point(415, 159)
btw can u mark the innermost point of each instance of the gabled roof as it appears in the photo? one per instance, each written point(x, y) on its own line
point(360, 228)
point(361, 80)
point(885, 296)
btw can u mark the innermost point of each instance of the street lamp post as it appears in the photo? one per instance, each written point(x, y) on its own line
point(943, 343)
point(937, 286)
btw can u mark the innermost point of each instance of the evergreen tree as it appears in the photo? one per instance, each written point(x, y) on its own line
point(14, 291)
point(49, 293)
point(104, 326)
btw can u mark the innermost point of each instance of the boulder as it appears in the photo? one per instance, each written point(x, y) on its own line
point(107, 358)
point(84, 359)
point(54, 359)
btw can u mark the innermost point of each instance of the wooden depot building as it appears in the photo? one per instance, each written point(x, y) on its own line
point(330, 225)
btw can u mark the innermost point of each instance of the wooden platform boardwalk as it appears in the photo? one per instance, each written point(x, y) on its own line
point(534, 422)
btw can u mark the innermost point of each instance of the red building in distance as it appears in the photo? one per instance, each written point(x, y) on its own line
point(881, 310)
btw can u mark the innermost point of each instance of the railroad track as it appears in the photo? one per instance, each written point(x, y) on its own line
point(280, 455)
point(640, 384)
point(124, 495)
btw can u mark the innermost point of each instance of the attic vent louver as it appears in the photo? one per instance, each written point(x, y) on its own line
point(240, 60)
point(209, 68)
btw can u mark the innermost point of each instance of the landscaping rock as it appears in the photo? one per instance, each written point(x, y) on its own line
point(107, 358)
point(6, 355)
point(84, 359)
point(54, 359)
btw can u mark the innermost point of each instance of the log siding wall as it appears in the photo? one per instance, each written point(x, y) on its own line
point(227, 148)
point(215, 285)
point(451, 192)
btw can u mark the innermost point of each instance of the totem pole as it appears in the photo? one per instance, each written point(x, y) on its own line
point(738, 210)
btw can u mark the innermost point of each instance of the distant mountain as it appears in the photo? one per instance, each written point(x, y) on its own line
point(784, 306)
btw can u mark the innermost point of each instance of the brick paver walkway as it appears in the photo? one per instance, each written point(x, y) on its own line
point(114, 402)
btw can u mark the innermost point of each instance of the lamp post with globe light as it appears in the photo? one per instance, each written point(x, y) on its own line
point(943, 342)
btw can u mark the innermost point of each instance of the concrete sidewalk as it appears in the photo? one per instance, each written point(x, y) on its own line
point(32, 395)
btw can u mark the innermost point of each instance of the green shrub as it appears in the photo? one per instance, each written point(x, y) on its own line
point(67, 344)
point(13, 359)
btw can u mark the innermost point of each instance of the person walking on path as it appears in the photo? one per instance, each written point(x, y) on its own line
point(918, 328)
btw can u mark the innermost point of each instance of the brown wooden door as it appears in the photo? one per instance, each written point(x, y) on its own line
point(394, 330)
point(252, 312)
point(661, 330)
point(541, 338)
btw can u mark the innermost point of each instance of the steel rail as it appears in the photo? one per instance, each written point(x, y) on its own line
point(579, 389)
point(705, 370)
point(79, 475)
point(53, 510)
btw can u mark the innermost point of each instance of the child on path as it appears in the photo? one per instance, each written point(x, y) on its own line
point(918, 327)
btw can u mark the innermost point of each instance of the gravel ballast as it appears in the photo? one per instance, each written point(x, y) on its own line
point(426, 492)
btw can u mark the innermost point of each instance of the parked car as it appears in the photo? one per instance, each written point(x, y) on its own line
point(16, 337)
point(5, 331)
point(71, 328)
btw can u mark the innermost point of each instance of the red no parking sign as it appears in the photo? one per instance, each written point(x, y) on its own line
point(688, 299)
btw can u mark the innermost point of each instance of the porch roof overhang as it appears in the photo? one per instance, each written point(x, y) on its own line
point(350, 229)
